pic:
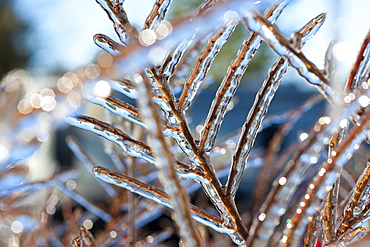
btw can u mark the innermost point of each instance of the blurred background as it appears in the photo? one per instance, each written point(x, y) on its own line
point(45, 39)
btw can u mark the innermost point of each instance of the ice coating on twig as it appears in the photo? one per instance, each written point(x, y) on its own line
point(361, 67)
point(231, 82)
point(204, 62)
point(108, 44)
point(118, 107)
point(118, 16)
point(325, 178)
point(158, 196)
point(358, 195)
point(188, 231)
point(296, 58)
point(259, 109)
point(130, 146)
point(252, 125)
point(157, 14)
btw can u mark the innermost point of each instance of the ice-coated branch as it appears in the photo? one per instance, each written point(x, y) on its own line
point(271, 165)
point(204, 62)
point(160, 197)
point(313, 231)
point(273, 37)
point(157, 14)
point(231, 82)
point(130, 146)
point(286, 183)
point(178, 197)
point(252, 125)
point(350, 215)
point(211, 184)
point(360, 67)
point(260, 106)
point(108, 44)
point(118, 16)
point(318, 186)
point(119, 108)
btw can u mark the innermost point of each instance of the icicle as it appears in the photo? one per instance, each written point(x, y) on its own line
point(231, 82)
point(204, 62)
point(108, 44)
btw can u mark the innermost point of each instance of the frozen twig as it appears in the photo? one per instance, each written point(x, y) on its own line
point(360, 67)
point(231, 82)
point(157, 14)
point(273, 37)
point(160, 197)
point(164, 159)
point(260, 107)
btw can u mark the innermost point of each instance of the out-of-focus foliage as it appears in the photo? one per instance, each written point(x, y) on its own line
point(13, 51)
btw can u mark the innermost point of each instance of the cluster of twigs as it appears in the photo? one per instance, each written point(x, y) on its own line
point(299, 197)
